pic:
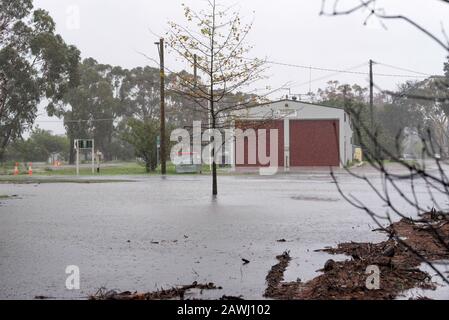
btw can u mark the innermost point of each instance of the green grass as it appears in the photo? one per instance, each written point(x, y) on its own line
point(6, 168)
point(119, 170)
point(6, 197)
point(125, 169)
point(55, 179)
point(112, 169)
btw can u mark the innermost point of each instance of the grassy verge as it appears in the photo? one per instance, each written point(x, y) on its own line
point(6, 197)
point(67, 174)
point(113, 170)
point(43, 180)
point(110, 169)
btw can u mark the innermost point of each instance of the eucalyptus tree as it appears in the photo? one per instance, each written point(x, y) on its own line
point(36, 65)
point(93, 107)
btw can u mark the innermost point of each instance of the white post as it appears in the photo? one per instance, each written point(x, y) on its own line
point(93, 157)
point(232, 144)
point(77, 158)
point(286, 144)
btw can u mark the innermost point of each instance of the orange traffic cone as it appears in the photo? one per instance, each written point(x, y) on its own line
point(30, 169)
point(16, 169)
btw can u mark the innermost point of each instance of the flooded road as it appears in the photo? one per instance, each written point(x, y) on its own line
point(160, 232)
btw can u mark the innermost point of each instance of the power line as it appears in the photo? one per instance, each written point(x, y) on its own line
point(89, 120)
point(75, 121)
point(329, 76)
point(335, 72)
point(402, 69)
point(418, 75)
point(292, 65)
point(406, 94)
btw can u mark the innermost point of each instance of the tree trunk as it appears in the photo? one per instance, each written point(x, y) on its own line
point(214, 179)
point(72, 151)
point(4, 144)
point(214, 164)
point(153, 165)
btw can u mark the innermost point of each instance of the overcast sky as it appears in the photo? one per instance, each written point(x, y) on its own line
point(287, 31)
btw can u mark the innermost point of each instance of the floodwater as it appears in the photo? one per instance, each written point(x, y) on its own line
point(161, 232)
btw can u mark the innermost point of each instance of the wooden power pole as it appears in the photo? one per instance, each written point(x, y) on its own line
point(371, 95)
point(160, 45)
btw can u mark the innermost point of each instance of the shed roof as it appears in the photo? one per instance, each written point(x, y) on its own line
point(296, 101)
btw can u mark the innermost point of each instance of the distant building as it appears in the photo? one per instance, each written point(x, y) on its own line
point(310, 135)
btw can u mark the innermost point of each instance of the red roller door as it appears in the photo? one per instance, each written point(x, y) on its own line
point(273, 124)
point(314, 143)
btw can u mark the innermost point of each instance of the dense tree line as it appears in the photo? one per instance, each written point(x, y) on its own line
point(38, 147)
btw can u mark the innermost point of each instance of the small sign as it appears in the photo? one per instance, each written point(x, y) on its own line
point(286, 112)
point(84, 144)
point(158, 141)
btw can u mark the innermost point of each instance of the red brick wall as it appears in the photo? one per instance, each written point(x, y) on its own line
point(262, 124)
point(314, 143)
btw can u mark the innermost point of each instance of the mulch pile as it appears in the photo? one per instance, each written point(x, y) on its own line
point(173, 293)
point(398, 262)
point(275, 287)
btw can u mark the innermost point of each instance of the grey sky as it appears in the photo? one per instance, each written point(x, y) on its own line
point(288, 31)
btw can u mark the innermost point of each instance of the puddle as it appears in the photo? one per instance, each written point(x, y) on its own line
point(305, 266)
